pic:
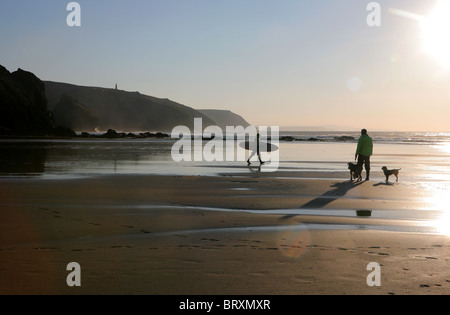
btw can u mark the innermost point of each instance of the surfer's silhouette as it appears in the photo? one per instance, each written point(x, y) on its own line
point(257, 152)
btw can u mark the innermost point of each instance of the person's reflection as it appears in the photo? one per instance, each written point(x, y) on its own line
point(254, 169)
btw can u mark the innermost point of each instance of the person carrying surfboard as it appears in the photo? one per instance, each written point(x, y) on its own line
point(257, 152)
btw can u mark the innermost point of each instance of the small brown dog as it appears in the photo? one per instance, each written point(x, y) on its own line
point(388, 173)
point(355, 171)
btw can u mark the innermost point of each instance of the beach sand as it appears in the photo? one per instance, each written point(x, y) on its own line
point(151, 234)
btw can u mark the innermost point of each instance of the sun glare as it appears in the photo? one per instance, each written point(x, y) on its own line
point(436, 32)
point(443, 224)
point(440, 201)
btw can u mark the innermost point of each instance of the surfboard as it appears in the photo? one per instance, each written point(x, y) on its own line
point(263, 146)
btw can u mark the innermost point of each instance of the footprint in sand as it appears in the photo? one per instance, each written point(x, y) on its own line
point(269, 248)
point(46, 248)
point(56, 214)
point(380, 254)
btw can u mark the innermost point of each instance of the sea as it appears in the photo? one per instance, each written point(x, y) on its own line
point(423, 154)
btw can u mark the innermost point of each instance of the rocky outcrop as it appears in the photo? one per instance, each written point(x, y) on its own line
point(112, 134)
point(344, 138)
point(23, 105)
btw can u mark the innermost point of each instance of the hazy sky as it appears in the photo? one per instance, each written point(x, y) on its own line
point(284, 62)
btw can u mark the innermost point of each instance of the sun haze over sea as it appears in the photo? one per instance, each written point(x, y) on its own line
point(284, 63)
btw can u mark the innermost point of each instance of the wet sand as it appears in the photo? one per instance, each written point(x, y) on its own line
point(146, 234)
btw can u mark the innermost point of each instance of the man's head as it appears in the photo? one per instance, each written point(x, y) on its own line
point(363, 131)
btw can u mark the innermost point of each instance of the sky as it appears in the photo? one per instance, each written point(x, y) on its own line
point(276, 63)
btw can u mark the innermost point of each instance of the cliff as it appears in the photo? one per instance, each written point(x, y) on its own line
point(224, 118)
point(117, 109)
point(23, 105)
point(31, 107)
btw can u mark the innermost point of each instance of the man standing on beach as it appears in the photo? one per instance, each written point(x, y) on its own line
point(364, 151)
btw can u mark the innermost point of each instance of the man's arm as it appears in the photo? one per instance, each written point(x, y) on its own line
point(358, 148)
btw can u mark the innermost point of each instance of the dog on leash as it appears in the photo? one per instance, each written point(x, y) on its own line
point(355, 171)
point(388, 173)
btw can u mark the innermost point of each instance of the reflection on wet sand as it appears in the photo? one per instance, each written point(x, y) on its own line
point(19, 159)
point(69, 157)
point(439, 200)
